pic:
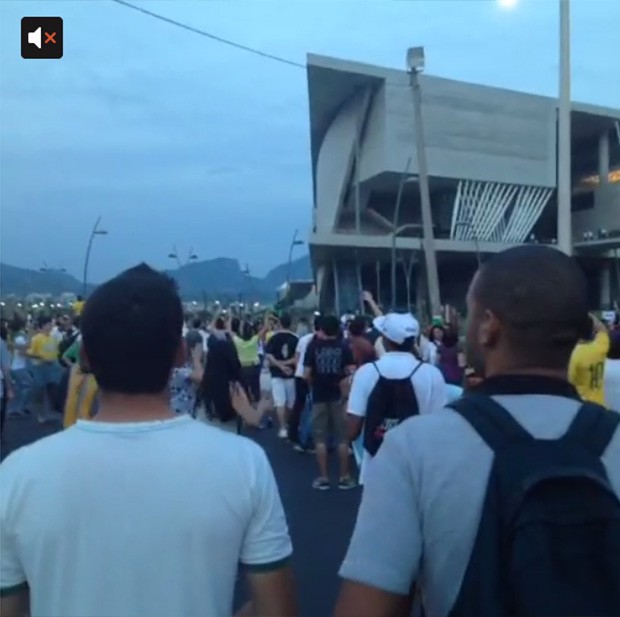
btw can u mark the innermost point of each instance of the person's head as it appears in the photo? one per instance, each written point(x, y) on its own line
point(17, 324)
point(436, 334)
point(80, 298)
point(527, 308)
point(45, 324)
point(247, 331)
point(196, 323)
point(357, 326)
point(318, 323)
point(219, 324)
point(398, 331)
point(330, 326)
point(285, 321)
point(235, 325)
point(614, 346)
point(132, 332)
point(450, 337)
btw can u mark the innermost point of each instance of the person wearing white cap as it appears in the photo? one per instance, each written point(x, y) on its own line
point(395, 387)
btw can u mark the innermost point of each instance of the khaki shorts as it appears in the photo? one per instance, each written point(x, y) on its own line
point(328, 419)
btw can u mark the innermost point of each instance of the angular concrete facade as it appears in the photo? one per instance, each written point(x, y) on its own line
point(492, 163)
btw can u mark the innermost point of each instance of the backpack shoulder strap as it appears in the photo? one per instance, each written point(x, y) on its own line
point(490, 420)
point(377, 369)
point(415, 370)
point(594, 427)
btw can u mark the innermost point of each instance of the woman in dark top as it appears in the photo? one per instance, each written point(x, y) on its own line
point(222, 368)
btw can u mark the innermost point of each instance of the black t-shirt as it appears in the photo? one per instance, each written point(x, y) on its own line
point(282, 346)
point(327, 358)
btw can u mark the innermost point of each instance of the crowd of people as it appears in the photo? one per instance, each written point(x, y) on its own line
point(489, 455)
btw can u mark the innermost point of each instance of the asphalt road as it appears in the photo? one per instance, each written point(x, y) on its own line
point(320, 521)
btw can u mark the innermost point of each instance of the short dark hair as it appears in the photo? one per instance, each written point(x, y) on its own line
point(196, 323)
point(43, 320)
point(131, 328)
point(330, 325)
point(318, 323)
point(285, 320)
point(357, 326)
point(539, 294)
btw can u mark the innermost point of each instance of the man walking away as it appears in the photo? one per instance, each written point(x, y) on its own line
point(507, 504)
point(280, 354)
point(301, 387)
point(392, 389)
point(152, 511)
point(328, 362)
point(587, 364)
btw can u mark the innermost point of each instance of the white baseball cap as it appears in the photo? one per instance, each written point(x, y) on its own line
point(397, 327)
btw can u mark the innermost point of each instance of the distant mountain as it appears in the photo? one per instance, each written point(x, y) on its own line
point(221, 278)
point(22, 281)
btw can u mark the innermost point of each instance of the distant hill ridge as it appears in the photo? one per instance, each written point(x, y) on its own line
point(213, 278)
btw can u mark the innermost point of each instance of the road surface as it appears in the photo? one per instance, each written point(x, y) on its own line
point(320, 521)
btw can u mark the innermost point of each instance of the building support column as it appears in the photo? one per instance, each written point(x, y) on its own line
point(605, 286)
point(603, 158)
point(336, 288)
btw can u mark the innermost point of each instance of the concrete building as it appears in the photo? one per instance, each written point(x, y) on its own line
point(492, 163)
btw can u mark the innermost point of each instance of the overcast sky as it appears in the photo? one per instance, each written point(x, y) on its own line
point(177, 139)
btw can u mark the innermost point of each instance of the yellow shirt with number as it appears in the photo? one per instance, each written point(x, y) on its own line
point(587, 368)
point(44, 347)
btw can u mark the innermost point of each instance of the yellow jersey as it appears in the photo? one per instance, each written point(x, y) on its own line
point(587, 368)
point(78, 307)
point(44, 347)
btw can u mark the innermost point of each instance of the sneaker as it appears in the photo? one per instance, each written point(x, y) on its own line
point(321, 484)
point(345, 484)
point(283, 433)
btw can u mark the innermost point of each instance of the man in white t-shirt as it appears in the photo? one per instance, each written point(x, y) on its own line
point(108, 518)
point(398, 332)
point(301, 387)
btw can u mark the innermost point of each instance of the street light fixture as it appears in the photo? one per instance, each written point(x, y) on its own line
point(175, 255)
point(294, 242)
point(415, 65)
point(46, 268)
point(96, 231)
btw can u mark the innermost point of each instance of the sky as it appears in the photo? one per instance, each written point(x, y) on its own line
point(175, 139)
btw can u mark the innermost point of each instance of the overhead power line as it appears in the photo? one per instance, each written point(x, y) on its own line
point(211, 36)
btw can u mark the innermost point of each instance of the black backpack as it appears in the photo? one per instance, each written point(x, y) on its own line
point(548, 543)
point(390, 402)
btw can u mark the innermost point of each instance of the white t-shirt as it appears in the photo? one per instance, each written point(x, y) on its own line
point(302, 345)
point(428, 384)
point(19, 360)
point(145, 524)
point(612, 384)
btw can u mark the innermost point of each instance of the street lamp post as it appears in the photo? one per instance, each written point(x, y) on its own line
point(565, 240)
point(95, 232)
point(564, 180)
point(415, 65)
point(470, 226)
point(294, 242)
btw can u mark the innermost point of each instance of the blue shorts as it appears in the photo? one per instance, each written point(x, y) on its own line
point(46, 373)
